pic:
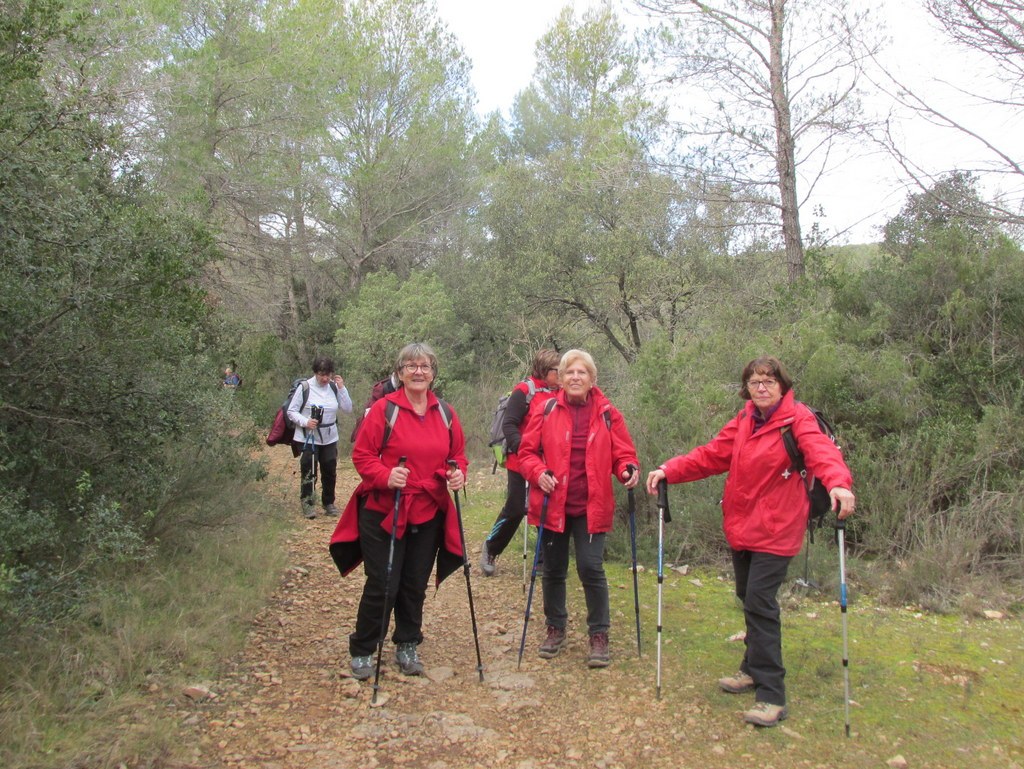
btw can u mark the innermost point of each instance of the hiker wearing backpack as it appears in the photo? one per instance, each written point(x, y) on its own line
point(765, 508)
point(414, 425)
point(521, 404)
point(313, 409)
point(569, 454)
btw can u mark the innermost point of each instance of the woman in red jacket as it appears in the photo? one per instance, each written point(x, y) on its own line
point(569, 453)
point(428, 434)
point(526, 398)
point(765, 509)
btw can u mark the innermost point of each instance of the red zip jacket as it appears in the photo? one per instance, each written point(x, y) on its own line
point(427, 445)
point(764, 507)
point(546, 446)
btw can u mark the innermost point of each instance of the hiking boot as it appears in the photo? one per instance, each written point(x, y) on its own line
point(553, 643)
point(599, 656)
point(362, 667)
point(488, 562)
point(765, 714)
point(408, 659)
point(308, 509)
point(331, 510)
point(736, 684)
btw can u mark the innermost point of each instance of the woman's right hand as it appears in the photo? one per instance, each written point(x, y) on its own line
point(547, 482)
point(653, 479)
point(312, 423)
point(398, 477)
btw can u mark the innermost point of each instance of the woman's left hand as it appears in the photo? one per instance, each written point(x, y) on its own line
point(630, 477)
point(338, 381)
point(456, 478)
point(844, 500)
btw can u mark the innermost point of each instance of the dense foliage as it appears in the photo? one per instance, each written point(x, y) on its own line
point(258, 182)
point(102, 334)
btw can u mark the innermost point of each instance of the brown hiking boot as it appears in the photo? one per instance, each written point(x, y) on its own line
point(765, 714)
point(599, 657)
point(736, 684)
point(553, 643)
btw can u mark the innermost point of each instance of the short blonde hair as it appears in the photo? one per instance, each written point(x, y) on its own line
point(574, 356)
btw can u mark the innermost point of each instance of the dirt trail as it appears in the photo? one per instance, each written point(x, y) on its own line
point(287, 701)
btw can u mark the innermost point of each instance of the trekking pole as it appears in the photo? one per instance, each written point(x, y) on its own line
point(465, 568)
point(632, 541)
point(526, 535)
point(533, 574)
point(387, 588)
point(841, 542)
point(663, 518)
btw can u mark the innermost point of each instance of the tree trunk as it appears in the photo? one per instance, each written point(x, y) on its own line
point(785, 155)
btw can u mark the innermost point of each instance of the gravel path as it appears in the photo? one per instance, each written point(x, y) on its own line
point(287, 701)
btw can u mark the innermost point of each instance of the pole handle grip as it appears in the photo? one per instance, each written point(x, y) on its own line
point(663, 500)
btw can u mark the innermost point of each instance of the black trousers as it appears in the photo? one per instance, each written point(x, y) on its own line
point(327, 460)
point(589, 567)
point(758, 579)
point(411, 566)
point(511, 515)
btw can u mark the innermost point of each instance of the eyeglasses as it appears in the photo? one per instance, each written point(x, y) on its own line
point(553, 368)
point(412, 368)
point(755, 384)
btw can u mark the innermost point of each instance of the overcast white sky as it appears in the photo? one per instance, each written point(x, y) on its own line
point(499, 37)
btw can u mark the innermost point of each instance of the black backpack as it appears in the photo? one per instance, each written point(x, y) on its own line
point(821, 502)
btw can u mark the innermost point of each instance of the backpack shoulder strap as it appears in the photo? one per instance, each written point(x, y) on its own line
point(446, 413)
point(549, 406)
point(792, 449)
point(607, 419)
point(390, 417)
point(305, 394)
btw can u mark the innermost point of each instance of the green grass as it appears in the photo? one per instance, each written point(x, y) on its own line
point(88, 692)
point(943, 691)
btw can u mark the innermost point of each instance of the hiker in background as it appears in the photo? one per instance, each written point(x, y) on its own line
point(519, 409)
point(427, 433)
point(569, 453)
point(764, 510)
point(316, 433)
point(231, 380)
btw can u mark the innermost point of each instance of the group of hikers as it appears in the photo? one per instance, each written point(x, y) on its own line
point(565, 442)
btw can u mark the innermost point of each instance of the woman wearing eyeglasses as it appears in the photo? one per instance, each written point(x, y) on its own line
point(411, 423)
point(765, 510)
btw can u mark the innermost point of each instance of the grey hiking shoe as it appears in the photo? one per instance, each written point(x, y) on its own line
point(488, 562)
point(362, 667)
point(765, 714)
point(736, 684)
point(599, 656)
point(308, 510)
point(553, 643)
point(408, 659)
point(331, 510)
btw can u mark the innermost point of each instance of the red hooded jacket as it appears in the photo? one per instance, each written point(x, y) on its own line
point(427, 444)
point(546, 446)
point(765, 503)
